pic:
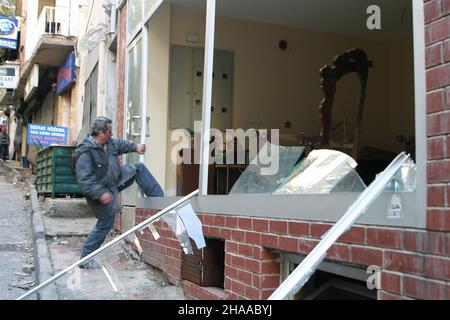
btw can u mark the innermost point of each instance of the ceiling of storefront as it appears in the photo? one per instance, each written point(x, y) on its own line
point(343, 16)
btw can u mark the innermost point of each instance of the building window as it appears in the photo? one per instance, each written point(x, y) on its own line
point(134, 17)
point(90, 101)
point(331, 281)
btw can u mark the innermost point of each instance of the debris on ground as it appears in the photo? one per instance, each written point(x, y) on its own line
point(23, 285)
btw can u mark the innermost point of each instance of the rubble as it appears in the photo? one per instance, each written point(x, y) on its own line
point(24, 285)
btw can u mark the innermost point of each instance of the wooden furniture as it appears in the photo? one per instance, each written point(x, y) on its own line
point(354, 60)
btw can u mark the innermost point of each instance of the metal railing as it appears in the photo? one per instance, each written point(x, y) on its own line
point(295, 281)
point(139, 227)
point(52, 20)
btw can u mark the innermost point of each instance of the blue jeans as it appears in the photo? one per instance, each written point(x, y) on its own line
point(149, 186)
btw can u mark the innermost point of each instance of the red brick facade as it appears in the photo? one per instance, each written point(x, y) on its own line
point(415, 263)
point(121, 63)
point(252, 271)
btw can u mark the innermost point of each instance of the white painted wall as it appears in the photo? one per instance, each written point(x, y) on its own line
point(274, 86)
point(31, 9)
point(158, 92)
point(92, 15)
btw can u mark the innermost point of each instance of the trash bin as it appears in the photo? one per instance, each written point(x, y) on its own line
point(54, 174)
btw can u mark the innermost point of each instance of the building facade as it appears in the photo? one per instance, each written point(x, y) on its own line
point(275, 64)
point(49, 66)
point(156, 67)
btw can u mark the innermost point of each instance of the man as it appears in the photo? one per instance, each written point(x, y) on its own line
point(4, 144)
point(101, 178)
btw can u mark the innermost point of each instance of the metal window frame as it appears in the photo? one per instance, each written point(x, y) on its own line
point(141, 33)
point(420, 105)
point(127, 69)
point(144, 20)
point(222, 204)
point(295, 281)
point(207, 95)
point(420, 195)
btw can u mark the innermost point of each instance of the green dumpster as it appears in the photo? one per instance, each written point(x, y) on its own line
point(54, 175)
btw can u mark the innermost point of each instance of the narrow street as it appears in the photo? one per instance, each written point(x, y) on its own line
point(16, 246)
point(131, 278)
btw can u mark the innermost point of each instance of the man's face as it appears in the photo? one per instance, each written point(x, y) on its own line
point(103, 137)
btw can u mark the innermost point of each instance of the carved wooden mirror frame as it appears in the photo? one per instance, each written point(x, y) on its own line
point(354, 60)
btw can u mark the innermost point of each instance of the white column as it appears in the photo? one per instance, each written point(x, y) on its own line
point(144, 80)
point(420, 103)
point(207, 92)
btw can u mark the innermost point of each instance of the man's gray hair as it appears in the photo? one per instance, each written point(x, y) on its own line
point(100, 125)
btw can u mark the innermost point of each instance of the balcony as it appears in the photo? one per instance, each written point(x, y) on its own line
point(53, 24)
point(48, 42)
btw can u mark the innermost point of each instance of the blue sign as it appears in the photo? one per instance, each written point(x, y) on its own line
point(45, 135)
point(8, 32)
point(66, 74)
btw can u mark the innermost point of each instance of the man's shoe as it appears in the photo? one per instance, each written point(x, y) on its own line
point(91, 264)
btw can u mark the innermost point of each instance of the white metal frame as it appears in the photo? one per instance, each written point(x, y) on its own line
point(207, 95)
point(420, 104)
point(141, 33)
point(419, 91)
point(144, 20)
point(127, 67)
point(295, 281)
point(419, 94)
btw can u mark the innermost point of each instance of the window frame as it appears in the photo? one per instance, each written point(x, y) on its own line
point(419, 105)
point(272, 207)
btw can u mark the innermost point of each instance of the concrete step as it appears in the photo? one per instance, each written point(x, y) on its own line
point(67, 208)
point(57, 226)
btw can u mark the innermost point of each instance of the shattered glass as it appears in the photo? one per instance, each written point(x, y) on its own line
point(175, 223)
point(322, 172)
point(118, 272)
point(192, 224)
point(114, 274)
point(252, 182)
point(404, 180)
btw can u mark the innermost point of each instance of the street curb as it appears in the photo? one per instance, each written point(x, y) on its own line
point(42, 261)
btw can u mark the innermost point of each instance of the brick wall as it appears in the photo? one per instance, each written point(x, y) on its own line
point(414, 262)
point(121, 62)
point(423, 271)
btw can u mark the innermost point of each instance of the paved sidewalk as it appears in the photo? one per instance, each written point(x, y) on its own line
point(124, 276)
point(36, 244)
point(16, 245)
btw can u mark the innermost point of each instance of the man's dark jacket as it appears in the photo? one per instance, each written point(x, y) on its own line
point(98, 171)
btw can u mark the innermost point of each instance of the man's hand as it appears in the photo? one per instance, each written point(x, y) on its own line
point(106, 198)
point(140, 148)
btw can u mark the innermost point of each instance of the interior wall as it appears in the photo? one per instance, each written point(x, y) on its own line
point(158, 92)
point(272, 86)
point(45, 3)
